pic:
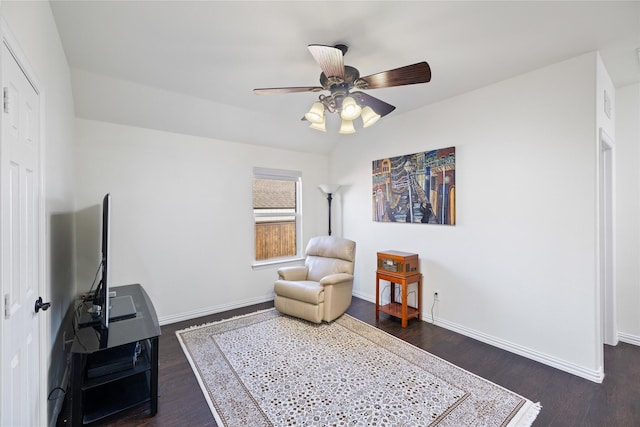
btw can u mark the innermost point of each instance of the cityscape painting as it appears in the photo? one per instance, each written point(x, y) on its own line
point(416, 188)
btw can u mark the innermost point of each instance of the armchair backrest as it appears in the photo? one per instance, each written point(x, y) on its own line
point(329, 255)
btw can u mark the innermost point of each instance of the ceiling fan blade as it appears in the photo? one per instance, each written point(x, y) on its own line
point(409, 75)
point(281, 90)
point(330, 59)
point(376, 104)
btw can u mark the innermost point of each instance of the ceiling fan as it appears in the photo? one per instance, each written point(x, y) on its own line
point(341, 80)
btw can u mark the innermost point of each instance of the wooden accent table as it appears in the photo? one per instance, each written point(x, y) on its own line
point(399, 309)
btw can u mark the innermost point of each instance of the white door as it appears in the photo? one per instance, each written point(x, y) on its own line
point(20, 248)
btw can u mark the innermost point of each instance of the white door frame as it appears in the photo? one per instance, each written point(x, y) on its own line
point(12, 44)
point(606, 274)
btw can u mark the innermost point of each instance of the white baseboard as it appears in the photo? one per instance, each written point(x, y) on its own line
point(165, 320)
point(367, 297)
point(629, 339)
point(580, 371)
point(592, 375)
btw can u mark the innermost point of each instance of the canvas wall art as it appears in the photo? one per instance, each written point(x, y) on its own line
point(416, 188)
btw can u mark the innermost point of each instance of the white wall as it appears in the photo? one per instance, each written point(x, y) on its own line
point(518, 268)
point(628, 212)
point(182, 222)
point(35, 30)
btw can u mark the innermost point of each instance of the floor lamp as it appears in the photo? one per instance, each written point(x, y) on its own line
point(329, 189)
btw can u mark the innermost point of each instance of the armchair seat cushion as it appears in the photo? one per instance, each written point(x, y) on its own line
point(303, 290)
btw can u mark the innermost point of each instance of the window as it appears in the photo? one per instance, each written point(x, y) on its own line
point(276, 213)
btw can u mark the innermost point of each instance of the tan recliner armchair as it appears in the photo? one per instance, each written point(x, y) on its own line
point(321, 289)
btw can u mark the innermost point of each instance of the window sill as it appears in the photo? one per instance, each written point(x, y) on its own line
point(260, 265)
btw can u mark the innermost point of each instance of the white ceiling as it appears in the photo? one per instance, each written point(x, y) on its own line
point(190, 66)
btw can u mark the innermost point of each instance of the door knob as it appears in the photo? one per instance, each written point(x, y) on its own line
point(42, 305)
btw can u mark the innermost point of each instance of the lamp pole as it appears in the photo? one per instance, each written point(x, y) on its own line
point(329, 198)
point(329, 190)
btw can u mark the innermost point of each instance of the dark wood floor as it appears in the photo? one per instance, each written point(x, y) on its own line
point(567, 400)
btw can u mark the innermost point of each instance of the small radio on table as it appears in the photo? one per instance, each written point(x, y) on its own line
point(400, 263)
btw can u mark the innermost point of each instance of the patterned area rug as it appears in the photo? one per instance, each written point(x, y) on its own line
point(267, 369)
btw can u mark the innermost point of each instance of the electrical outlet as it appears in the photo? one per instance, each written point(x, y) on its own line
point(436, 295)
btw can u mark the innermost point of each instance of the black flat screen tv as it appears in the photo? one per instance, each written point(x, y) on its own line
point(106, 306)
point(101, 295)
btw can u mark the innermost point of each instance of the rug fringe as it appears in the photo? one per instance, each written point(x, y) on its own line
point(203, 325)
point(527, 415)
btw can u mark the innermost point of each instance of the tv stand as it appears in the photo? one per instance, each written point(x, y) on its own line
point(116, 368)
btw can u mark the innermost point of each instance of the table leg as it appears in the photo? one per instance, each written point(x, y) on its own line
point(154, 376)
point(392, 287)
point(78, 361)
point(377, 296)
point(419, 296)
point(405, 321)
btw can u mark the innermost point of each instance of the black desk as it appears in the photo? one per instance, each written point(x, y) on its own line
point(94, 397)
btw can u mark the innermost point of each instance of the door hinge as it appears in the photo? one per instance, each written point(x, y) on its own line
point(5, 99)
point(7, 306)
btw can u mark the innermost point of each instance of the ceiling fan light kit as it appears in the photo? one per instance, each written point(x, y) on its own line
point(340, 79)
point(316, 113)
point(319, 126)
point(369, 116)
point(347, 127)
point(350, 110)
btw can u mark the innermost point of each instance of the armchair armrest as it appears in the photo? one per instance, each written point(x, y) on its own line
point(335, 279)
point(293, 273)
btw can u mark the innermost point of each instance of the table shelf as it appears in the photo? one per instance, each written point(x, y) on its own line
point(395, 309)
point(116, 396)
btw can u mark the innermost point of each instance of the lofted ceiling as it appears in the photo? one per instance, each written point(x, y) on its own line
point(190, 66)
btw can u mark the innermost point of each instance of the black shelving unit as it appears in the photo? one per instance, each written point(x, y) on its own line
point(104, 382)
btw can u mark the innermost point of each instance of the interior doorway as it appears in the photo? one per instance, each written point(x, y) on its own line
point(606, 226)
